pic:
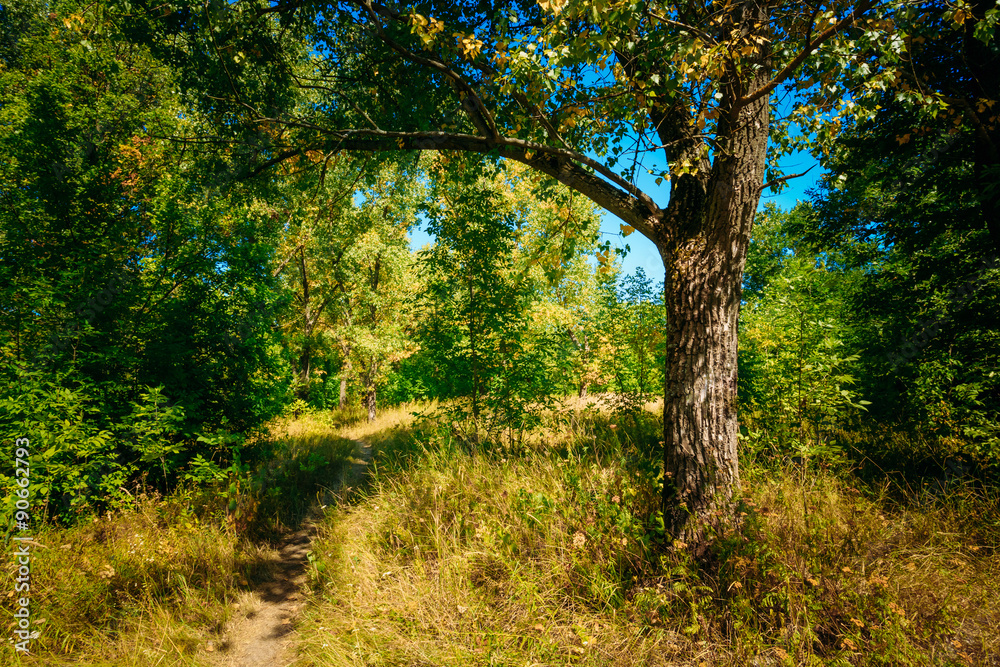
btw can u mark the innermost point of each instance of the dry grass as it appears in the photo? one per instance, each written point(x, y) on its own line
point(147, 585)
point(464, 552)
point(387, 421)
point(155, 583)
point(551, 555)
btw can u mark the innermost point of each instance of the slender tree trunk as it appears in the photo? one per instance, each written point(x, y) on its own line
point(582, 344)
point(345, 373)
point(473, 358)
point(370, 401)
point(370, 398)
point(305, 360)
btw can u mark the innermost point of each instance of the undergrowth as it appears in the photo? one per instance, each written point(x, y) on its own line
point(548, 550)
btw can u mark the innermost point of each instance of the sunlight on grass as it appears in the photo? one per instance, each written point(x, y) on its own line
point(387, 419)
point(154, 584)
point(551, 552)
point(553, 555)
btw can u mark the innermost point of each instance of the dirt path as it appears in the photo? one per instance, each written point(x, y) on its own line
point(260, 632)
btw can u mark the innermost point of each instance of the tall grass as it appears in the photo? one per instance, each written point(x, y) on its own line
point(155, 583)
point(545, 549)
point(470, 554)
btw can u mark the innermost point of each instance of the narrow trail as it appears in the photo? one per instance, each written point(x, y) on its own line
point(261, 631)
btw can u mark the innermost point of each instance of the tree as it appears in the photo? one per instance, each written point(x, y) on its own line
point(134, 300)
point(573, 305)
point(473, 277)
point(558, 86)
point(316, 213)
point(639, 310)
point(375, 279)
point(796, 371)
point(924, 307)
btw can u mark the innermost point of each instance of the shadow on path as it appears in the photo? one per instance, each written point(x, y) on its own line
point(261, 632)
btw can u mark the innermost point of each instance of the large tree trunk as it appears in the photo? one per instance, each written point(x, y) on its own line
point(701, 468)
point(705, 233)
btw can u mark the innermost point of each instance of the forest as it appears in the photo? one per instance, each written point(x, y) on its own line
point(316, 350)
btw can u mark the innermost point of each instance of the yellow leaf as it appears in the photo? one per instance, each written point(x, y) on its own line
point(626, 229)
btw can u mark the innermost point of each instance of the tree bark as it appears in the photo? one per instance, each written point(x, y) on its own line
point(701, 469)
point(703, 238)
point(369, 397)
point(305, 361)
point(345, 372)
point(473, 357)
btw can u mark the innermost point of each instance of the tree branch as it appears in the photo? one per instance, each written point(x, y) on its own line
point(566, 167)
point(281, 268)
point(810, 47)
point(485, 122)
point(775, 181)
